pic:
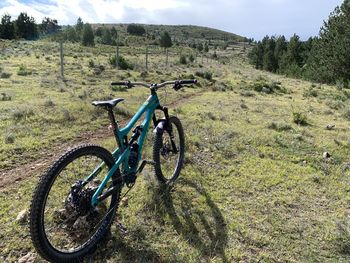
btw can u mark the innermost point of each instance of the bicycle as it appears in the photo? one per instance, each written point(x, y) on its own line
point(73, 206)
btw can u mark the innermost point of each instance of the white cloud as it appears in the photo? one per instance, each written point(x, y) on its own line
point(67, 11)
point(251, 18)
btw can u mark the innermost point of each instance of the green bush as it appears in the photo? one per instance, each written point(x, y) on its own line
point(311, 92)
point(5, 75)
point(22, 113)
point(91, 63)
point(261, 85)
point(183, 60)
point(23, 71)
point(205, 74)
point(279, 126)
point(9, 138)
point(299, 118)
point(5, 97)
point(121, 62)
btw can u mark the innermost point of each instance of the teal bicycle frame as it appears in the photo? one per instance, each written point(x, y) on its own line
point(121, 154)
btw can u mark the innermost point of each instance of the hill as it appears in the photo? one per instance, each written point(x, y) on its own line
point(183, 33)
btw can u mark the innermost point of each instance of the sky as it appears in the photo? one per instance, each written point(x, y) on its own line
point(249, 18)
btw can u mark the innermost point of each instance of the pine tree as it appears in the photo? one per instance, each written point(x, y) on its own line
point(71, 34)
point(206, 48)
point(114, 32)
point(256, 55)
point(106, 36)
point(280, 49)
point(269, 60)
point(200, 47)
point(79, 26)
point(48, 26)
point(136, 30)
point(165, 40)
point(7, 28)
point(26, 27)
point(329, 60)
point(99, 31)
point(88, 36)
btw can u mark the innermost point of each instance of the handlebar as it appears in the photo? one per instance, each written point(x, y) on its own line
point(177, 84)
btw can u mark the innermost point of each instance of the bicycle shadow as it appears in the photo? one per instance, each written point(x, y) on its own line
point(200, 224)
point(203, 227)
point(118, 247)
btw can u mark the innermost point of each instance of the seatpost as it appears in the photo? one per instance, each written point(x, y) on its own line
point(114, 125)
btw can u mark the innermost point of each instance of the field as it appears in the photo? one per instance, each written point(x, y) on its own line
point(266, 176)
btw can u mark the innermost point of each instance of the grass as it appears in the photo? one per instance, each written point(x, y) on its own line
point(255, 186)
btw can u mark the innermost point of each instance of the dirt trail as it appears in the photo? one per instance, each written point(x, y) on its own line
point(47, 157)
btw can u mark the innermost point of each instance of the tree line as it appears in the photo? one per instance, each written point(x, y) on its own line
point(325, 58)
point(25, 27)
point(276, 54)
point(84, 33)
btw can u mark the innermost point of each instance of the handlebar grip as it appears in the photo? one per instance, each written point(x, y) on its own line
point(187, 81)
point(180, 82)
point(121, 83)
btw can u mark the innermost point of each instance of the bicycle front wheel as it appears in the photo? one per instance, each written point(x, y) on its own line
point(168, 151)
point(64, 227)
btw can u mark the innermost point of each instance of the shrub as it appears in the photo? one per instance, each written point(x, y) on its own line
point(183, 59)
point(5, 75)
point(22, 113)
point(91, 63)
point(23, 71)
point(9, 138)
point(205, 74)
point(342, 84)
point(49, 103)
point(346, 114)
point(263, 86)
point(5, 97)
point(191, 58)
point(143, 74)
point(299, 118)
point(279, 126)
point(121, 62)
point(137, 30)
point(311, 92)
point(67, 116)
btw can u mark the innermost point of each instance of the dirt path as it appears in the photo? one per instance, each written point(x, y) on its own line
point(47, 157)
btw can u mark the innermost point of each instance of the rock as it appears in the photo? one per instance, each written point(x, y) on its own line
point(124, 202)
point(266, 90)
point(60, 214)
point(81, 223)
point(29, 258)
point(97, 71)
point(326, 155)
point(330, 127)
point(22, 216)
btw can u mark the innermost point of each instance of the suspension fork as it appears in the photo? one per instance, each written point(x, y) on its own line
point(164, 109)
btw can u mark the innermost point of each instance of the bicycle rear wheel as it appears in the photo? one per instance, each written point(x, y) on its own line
point(63, 225)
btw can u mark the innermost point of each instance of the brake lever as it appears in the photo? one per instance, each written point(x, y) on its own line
point(177, 86)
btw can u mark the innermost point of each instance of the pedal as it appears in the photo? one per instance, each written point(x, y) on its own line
point(143, 164)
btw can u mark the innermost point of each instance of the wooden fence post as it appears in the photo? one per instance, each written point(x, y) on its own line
point(61, 60)
point(147, 57)
point(166, 62)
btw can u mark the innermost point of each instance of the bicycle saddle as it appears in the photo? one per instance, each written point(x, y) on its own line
point(107, 103)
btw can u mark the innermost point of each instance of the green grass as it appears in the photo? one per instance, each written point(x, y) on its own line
point(255, 186)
